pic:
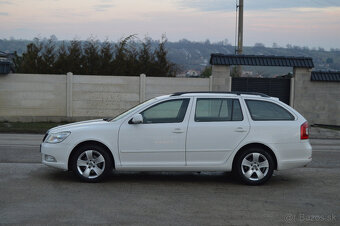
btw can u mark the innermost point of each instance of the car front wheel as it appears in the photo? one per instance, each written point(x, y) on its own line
point(254, 166)
point(91, 163)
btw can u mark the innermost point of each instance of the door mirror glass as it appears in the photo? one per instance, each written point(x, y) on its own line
point(137, 119)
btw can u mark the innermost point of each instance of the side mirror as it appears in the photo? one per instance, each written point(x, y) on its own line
point(137, 119)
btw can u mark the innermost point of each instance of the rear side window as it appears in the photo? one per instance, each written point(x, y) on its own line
point(267, 111)
point(218, 109)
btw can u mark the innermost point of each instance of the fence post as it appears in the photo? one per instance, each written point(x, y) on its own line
point(69, 85)
point(229, 81)
point(221, 78)
point(292, 92)
point(211, 83)
point(142, 78)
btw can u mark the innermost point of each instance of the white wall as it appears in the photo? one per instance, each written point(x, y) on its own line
point(157, 86)
point(317, 101)
point(103, 95)
point(33, 97)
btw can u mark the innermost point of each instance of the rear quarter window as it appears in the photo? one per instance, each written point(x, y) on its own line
point(267, 111)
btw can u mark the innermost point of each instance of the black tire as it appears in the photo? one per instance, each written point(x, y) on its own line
point(250, 168)
point(91, 163)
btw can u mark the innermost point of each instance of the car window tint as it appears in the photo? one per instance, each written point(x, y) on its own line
point(171, 111)
point(217, 109)
point(237, 112)
point(266, 111)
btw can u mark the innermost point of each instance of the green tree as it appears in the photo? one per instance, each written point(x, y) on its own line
point(17, 61)
point(206, 73)
point(75, 57)
point(91, 57)
point(120, 62)
point(127, 57)
point(132, 60)
point(48, 57)
point(233, 72)
point(163, 68)
point(146, 58)
point(61, 65)
point(106, 57)
point(31, 59)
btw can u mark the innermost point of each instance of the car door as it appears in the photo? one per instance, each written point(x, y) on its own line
point(160, 139)
point(216, 127)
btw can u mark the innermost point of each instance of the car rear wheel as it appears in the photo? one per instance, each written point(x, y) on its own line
point(254, 166)
point(91, 163)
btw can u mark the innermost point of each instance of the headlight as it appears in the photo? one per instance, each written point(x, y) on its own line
point(54, 138)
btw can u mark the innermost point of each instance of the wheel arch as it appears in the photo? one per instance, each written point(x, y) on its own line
point(90, 142)
point(255, 145)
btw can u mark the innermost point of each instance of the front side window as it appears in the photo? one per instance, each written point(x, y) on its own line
point(172, 111)
point(218, 109)
point(122, 115)
point(267, 111)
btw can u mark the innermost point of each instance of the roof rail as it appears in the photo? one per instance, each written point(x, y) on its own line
point(233, 92)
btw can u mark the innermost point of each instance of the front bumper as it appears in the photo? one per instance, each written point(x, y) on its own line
point(59, 151)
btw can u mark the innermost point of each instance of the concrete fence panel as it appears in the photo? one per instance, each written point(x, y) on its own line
point(103, 95)
point(156, 86)
point(32, 95)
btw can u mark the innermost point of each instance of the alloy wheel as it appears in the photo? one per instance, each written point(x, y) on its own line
point(91, 164)
point(255, 166)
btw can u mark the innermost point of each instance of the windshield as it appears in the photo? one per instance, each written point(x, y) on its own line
point(132, 109)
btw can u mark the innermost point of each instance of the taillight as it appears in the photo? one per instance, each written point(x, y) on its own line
point(304, 131)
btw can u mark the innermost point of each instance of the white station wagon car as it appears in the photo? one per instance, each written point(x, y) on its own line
point(249, 134)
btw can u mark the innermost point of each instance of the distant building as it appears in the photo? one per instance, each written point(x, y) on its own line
point(247, 74)
point(6, 63)
point(192, 73)
point(181, 75)
point(189, 74)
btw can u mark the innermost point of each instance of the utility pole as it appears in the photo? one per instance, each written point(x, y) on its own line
point(240, 35)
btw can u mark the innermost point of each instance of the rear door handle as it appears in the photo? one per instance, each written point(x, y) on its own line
point(178, 130)
point(240, 130)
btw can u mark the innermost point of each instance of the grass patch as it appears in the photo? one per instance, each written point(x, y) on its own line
point(28, 127)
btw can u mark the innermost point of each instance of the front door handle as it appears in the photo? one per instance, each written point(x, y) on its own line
point(178, 130)
point(240, 130)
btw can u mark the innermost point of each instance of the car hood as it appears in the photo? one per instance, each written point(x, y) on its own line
point(77, 125)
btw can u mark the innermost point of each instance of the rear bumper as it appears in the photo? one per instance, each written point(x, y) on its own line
point(294, 155)
point(290, 164)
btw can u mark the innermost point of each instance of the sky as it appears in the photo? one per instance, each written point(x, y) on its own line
point(312, 23)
